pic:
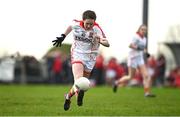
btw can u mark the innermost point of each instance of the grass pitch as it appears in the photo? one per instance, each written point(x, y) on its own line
point(48, 100)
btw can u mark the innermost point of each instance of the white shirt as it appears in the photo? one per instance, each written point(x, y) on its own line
point(137, 40)
point(84, 41)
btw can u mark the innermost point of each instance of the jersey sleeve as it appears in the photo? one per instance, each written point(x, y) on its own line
point(138, 42)
point(134, 40)
point(75, 23)
point(99, 31)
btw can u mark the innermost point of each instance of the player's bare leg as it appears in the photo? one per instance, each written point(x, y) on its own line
point(81, 92)
point(77, 69)
point(68, 96)
point(124, 79)
point(146, 82)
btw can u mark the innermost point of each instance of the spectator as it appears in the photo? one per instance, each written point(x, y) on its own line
point(160, 70)
point(98, 71)
point(174, 78)
point(114, 71)
point(57, 70)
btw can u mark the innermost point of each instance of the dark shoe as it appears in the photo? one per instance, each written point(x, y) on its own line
point(67, 103)
point(114, 88)
point(80, 98)
point(150, 95)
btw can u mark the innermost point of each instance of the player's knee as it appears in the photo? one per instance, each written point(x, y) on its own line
point(129, 77)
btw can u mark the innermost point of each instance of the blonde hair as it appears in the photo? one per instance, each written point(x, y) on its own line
point(141, 26)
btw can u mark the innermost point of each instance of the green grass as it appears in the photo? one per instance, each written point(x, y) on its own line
point(48, 100)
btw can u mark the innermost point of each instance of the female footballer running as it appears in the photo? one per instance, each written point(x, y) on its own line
point(136, 61)
point(88, 36)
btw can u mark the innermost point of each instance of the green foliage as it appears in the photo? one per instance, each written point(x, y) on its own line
point(48, 100)
point(65, 48)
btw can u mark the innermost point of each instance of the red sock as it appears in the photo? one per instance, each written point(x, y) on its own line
point(71, 93)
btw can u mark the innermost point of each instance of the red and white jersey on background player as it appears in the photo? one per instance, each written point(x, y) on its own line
point(135, 57)
point(85, 47)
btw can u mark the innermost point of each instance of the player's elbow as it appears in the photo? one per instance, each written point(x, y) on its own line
point(108, 45)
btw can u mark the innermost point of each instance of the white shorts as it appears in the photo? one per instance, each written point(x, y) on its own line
point(88, 60)
point(135, 62)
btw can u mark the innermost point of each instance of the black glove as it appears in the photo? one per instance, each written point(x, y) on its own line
point(147, 55)
point(59, 40)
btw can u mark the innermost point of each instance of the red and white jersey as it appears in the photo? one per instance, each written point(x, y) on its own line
point(137, 40)
point(84, 41)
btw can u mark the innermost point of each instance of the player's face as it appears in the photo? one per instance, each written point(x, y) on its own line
point(88, 24)
point(143, 30)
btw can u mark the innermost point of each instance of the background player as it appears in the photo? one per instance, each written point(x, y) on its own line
point(136, 61)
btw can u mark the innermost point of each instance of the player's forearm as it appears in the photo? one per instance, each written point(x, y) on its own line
point(133, 46)
point(136, 47)
point(104, 42)
point(68, 30)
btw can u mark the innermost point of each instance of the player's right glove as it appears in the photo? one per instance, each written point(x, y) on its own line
point(59, 40)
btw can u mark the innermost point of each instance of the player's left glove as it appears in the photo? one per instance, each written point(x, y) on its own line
point(147, 55)
point(59, 40)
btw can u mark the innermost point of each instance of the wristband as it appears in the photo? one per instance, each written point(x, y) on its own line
point(63, 35)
